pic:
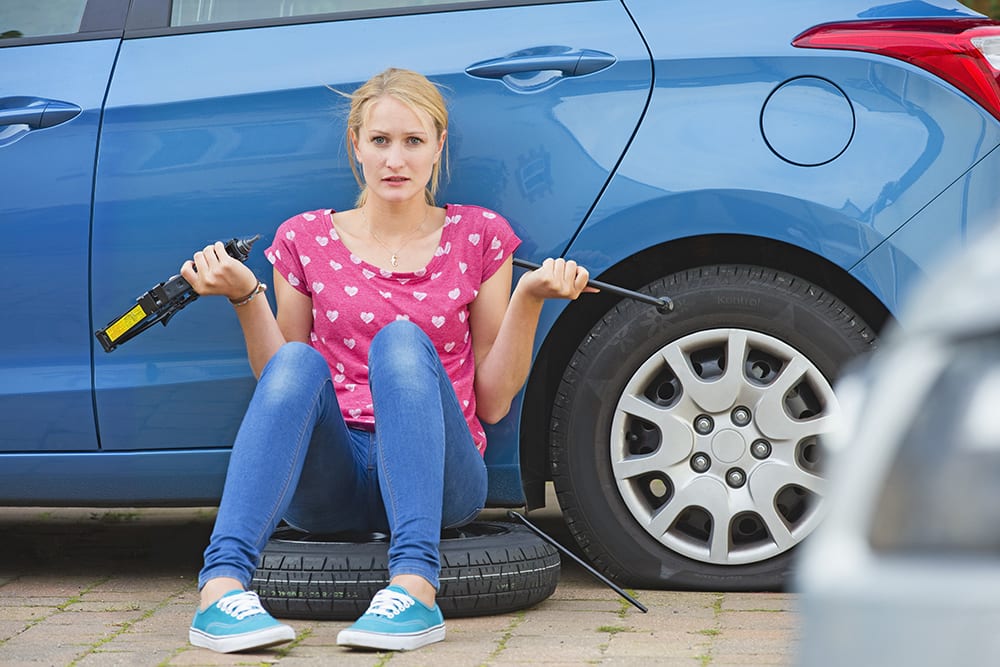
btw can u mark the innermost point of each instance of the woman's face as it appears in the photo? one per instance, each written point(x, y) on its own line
point(397, 148)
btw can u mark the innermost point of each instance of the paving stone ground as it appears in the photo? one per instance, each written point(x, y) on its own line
point(95, 587)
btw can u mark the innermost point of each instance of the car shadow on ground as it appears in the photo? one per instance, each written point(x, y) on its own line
point(152, 541)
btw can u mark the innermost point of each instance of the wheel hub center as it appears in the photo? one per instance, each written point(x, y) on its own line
point(728, 446)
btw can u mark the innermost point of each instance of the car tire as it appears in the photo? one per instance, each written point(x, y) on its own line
point(487, 567)
point(656, 441)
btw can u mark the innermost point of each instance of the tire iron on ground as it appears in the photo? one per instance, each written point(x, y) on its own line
point(600, 577)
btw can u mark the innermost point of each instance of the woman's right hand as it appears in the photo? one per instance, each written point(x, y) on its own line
point(213, 271)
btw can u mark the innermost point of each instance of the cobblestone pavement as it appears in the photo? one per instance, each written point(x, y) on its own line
point(90, 587)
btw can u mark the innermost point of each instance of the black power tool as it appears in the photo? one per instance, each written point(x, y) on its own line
point(161, 303)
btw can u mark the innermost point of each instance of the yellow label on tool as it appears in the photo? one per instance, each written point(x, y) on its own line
point(125, 322)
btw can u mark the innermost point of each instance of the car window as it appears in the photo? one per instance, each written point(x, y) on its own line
point(194, 12)
point(40, 19)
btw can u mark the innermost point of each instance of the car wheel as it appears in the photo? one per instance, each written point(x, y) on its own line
point(684, 446)
point(487, 567)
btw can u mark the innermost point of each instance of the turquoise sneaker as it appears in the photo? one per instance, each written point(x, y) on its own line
point(395, 622)
point(237, 622)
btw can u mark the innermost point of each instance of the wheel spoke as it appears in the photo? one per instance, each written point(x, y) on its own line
point(774, 421)
point(718, 394)
point(766, 483)
point(676, 437)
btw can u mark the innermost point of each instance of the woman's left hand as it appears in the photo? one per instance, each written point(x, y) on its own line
point(556, 279)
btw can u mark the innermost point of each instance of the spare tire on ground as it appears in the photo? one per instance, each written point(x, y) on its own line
point(487, 567)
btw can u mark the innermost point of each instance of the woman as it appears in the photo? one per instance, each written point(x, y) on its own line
point(396, 333)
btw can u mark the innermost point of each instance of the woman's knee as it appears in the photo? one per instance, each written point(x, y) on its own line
point(396, 346)
point(294, 366)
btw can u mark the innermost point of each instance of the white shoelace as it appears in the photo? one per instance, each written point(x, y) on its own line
point(389, 603)
point(241, 605)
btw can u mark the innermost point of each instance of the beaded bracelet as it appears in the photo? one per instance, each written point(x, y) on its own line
point(249, 297)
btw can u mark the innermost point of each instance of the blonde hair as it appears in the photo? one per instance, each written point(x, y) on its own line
point(415, 91)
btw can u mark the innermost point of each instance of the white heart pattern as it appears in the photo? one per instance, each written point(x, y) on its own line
point(350, 386)
point(448, 347)
point(367, 317)
point(385, 274)
point(367, 274)
point(292, 280)
point(304, 259)
point(495, 243)
point(332, 315)
point(385, 295)
point(474, 239)
point(351, 290)
point(488, 215)
point(336, 266)
point(290, 235)
point(420, 296)
point(463, 267)
point(309, 216)
point(354, 412)
point(452, 219)
point(437, 321)
point(349, 343)
point(339, 377)
point(402, 317)
point(453, 294)
point(318, 287)
point(322, 240)
point(435, 276)
point(355, 258)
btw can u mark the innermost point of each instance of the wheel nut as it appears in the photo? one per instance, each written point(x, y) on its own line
point(741, 416)
point(736, 478)
point(703, 424)
point(760, 449)
point(701, 462)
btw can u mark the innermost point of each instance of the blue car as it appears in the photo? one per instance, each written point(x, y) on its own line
point(784, 172)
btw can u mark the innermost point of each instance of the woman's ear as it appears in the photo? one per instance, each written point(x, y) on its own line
point(444, 135)
point(353, 139)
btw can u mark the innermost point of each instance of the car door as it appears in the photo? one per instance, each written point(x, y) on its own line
point(225, 118)
point(55, 63)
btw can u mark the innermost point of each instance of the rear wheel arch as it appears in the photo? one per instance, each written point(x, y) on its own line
point(641, 269)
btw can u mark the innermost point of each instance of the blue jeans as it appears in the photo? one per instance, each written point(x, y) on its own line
point(295, 458)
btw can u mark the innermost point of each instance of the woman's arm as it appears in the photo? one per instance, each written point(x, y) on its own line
point(213, 271)
point(503, 328)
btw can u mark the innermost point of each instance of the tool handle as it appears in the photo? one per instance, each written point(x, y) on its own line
point(663, 304)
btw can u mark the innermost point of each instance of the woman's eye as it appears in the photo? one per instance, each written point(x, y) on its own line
point(378, 140)
point(415, 141)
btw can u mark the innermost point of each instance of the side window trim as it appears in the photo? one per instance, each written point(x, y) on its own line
point(151, 18)
point(102, 19)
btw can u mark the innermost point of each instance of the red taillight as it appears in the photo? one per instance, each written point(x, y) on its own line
point(963, 52)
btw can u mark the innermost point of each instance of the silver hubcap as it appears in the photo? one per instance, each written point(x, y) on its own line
point(720, 461)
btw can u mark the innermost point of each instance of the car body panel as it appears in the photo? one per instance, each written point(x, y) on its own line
point(45, 197)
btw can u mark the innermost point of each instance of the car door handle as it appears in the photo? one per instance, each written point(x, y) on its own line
point(570, 62)
point(36, 113)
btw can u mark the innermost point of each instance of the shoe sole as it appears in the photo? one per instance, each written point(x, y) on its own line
point(242, 642)
point(390, 642)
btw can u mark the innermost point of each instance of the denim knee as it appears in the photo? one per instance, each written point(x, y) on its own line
point(294, 366)
point(396, 346)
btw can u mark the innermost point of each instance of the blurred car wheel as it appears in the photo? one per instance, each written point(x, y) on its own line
point(685, 446)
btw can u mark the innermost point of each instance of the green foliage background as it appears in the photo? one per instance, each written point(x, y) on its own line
point(988, 7)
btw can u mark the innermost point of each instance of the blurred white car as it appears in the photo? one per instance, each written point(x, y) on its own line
point(905, 569)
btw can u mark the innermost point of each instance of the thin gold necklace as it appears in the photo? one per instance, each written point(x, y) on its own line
point(394, 254)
